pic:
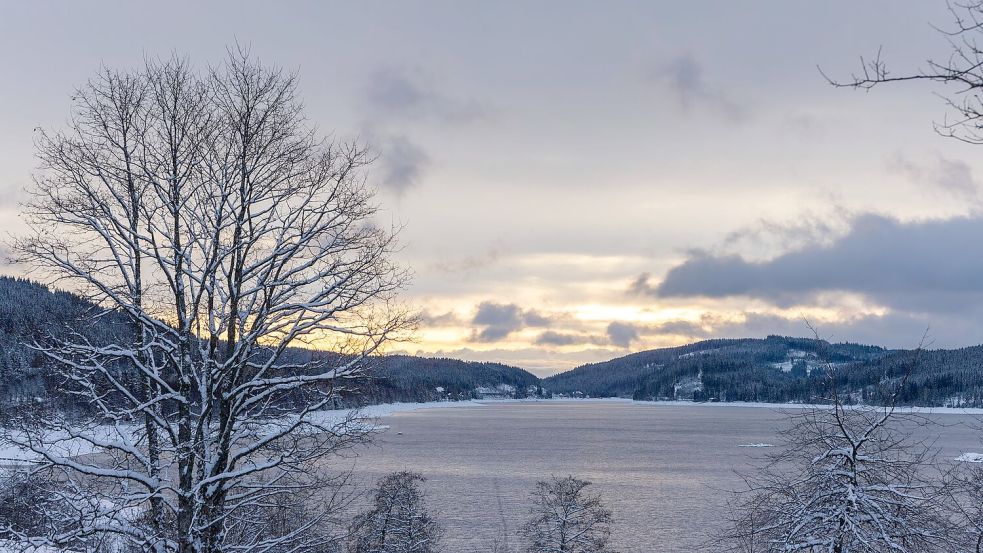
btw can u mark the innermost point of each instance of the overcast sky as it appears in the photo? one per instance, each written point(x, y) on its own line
point(579, 180)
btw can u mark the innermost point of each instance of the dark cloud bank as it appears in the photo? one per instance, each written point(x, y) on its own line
point(927, 273)
point(924, 266)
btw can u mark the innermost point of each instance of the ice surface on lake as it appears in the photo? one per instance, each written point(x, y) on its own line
point(971, 457)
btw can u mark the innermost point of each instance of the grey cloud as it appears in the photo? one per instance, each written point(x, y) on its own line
point(684, 76)
point(785, 235)
point(470, 263)
point(921, 266)
point(950, 175)
point(491, 313)
point(532, 318)
point(399, 93)
point(442, 319)
point(622, 334)
point(679, 328)
point(642, 286)
point(403, 163)
point(393, 91)
point(552, 338)
point(492, 333)
point(501, 319)
point(395, 96)
point(956, 177)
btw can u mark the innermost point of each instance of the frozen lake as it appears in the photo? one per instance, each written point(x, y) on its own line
point(657, 467)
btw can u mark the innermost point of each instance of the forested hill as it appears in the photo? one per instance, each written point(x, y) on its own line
point(409, 378)
point(774, 369)
point(779, 369)
point(29, 311)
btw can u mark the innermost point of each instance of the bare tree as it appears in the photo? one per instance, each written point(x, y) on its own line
point(202, 212)
point(847, 479)
point(566, 518)
point(962, 68)
point(398, 521)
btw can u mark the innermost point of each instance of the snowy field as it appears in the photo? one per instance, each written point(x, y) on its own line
point(659, 467)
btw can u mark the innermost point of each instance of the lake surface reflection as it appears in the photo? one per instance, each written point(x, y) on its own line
point(659, 468)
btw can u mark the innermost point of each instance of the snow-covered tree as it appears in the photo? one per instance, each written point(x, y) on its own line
point(204, 216)
point(846, 479)
point(398, 521)
point(965, 487)
point(566, 518)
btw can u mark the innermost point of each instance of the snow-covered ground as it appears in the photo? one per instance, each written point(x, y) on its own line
point(68, 446)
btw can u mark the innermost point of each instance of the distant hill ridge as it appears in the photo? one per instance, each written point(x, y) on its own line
point(30, 312)
point(774, 369)
point(780, 369)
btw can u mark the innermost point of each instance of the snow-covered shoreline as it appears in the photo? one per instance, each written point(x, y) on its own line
point(387, 409)
point(681, 404)
point(799, 406)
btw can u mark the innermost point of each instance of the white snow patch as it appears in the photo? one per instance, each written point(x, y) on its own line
point(756, 445)
point(971, 458)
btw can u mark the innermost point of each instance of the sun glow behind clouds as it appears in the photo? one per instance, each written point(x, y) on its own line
point(569, 308)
